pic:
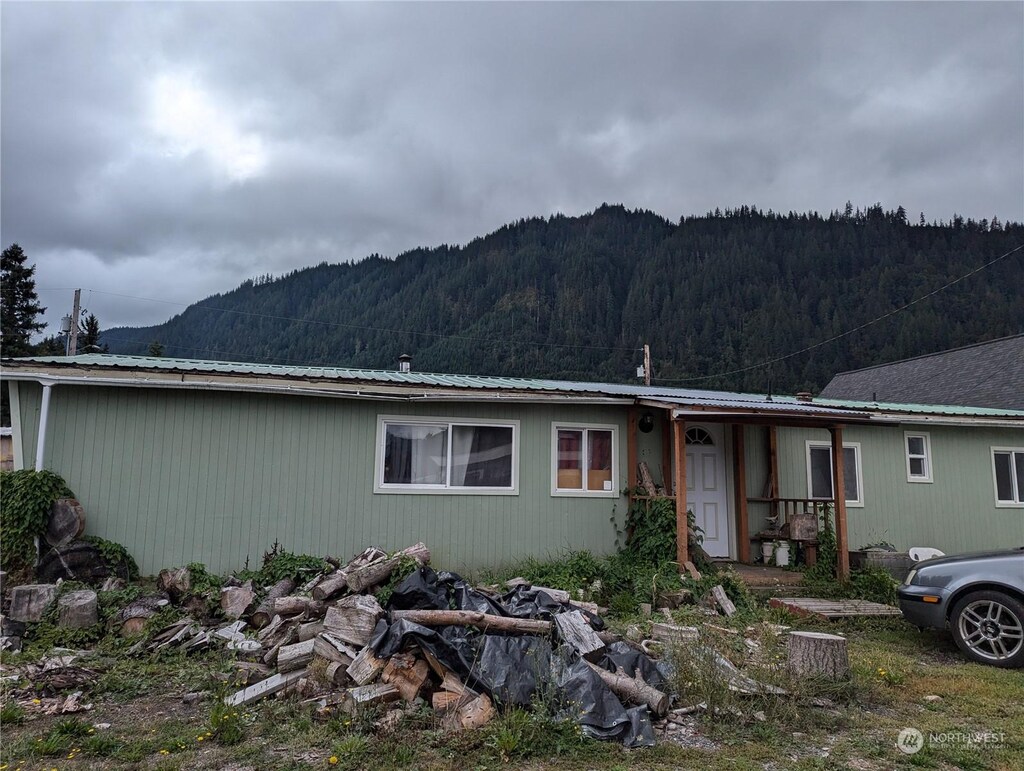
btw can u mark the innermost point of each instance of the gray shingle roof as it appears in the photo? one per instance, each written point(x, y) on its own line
point(987, 374)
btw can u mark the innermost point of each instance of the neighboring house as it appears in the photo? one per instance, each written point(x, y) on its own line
point(6, 449)
point(186, 461)
point(983, 375)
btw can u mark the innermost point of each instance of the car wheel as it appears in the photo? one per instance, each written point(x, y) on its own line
point(988, 626)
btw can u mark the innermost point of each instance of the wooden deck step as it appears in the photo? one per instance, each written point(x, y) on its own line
point(811, 606)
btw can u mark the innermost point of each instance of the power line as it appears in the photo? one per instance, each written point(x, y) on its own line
point(442, 335)
point(848, 332)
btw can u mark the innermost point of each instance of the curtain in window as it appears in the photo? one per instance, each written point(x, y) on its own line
point(570, 460)
point(415, 454)
point(481, 456)
point(599, 460)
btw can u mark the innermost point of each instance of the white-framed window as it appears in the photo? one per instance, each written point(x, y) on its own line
point(446, 456)
point(819, 472)
point(1008, 475)
point(919, 456)
point(584, 459)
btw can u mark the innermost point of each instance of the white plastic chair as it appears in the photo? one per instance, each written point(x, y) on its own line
point(921, 553)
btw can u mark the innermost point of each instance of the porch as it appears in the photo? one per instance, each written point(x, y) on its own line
point(734, 455)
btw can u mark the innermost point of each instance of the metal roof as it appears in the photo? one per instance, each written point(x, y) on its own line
point(723, 400)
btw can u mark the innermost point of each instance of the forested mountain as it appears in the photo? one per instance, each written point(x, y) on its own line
point(575, 297)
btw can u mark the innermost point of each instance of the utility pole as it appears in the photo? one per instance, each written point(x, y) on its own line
point(647, 364)
point(73, 332)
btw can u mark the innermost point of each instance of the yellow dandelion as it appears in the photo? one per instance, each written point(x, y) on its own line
point(165, 752)
point(333, 760)
point(37, 701)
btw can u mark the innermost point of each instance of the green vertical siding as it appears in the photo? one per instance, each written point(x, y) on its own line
point(182, 476)
point(955, 513)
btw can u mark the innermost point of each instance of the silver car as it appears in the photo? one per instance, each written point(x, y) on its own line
point(978, 597)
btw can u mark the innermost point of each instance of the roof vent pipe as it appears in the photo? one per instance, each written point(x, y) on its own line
point(405, 363)
point(804, 396)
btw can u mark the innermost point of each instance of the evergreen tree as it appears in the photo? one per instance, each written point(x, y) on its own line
point(89, 336)
point(19, 304)
point(155, 349)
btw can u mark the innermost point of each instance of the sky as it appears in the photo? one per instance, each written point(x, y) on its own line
point(170, 151)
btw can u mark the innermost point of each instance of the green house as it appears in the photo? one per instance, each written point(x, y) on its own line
point(184, 461)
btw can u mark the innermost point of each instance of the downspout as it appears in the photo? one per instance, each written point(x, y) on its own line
point(44, 419)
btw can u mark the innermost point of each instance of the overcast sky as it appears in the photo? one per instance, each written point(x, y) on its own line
point(170, 151)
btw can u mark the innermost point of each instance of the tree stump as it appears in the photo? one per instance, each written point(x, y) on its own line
point(177, 582)
point(77, 610)
point(815, 654)
point(66, 522)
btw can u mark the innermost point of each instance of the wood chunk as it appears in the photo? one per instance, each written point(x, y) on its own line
point(264, 688)
point(132, 618)
point(690, 568)
point(333, 649)
point(646, 480)
point(634, 690)
point(439, 669)
point(176, 582)
point(367, 695)
point(336, 674)
point(331, 586)
point(362, 578)
point(671, 634)
point(406, 673)
point(353, 618)
point(558, 595)
point(482, 621)
point(265, 612)
point(77, 610)
point(65, 523)
point(575, 630)
point(444, 700)
point(28, 602)
point(310, 629)
point(365, 667)
point(718, 592)
point(295, 656)
point(293, 606)
point(815, 654)
point(236, 600)
point(475, 713)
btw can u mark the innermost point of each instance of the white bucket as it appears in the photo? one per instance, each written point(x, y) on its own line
point(782, 554)
point(767, 547)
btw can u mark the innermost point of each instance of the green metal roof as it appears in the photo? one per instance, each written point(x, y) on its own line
point(679, 396)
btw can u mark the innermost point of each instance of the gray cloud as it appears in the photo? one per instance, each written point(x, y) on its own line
point(172, 150)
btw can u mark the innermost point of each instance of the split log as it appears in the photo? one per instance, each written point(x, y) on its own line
point(590, 607)
point(407, 673)
point(368, 695)
point(29, 601)
point(333, 649)
point(634, 690)
point(265, 612)
point(264, 688)
point(336, 674)
point(363, 578)
point(718, 592)
point(310, 630)
point(646, 480)
point(236, 600)
point(176, 582)
point(815, 654)
point(473, 714)
point(558, 595)
point(444, 700)
point(692, 570)
point(365, 667)
point(65, 523)
point(132, 619)
point(113, 584)
point(353, 618)
point(575, 630)
point(77, 610)
point(295, 656)
point(293, 606)
point(482, 621)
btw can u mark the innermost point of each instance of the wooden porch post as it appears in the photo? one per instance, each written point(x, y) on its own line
point(740, 477)
point(773, 470)
point(666, 451)
point(631, 451)
point(682, 523)
point(839, 494)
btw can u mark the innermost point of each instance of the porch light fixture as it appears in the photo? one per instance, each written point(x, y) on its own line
point(646, 423)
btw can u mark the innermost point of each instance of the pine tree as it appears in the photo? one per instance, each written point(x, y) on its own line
point(19, 304)
point(155, 349)
point(89, 336)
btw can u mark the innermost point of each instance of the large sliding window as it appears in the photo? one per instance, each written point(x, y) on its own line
point(1008, 470)
point(429, 455)
point(583, 460)
point(819, 472)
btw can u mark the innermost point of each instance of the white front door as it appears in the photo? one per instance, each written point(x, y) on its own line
point(706, 486)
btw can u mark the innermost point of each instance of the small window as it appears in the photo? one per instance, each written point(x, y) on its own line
point(698, 436)
point(1008, 470)
point(919, 457)
point(441, 456)
point(819, 472)
point(583, 458)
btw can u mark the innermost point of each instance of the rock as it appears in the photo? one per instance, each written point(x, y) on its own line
point(759, 716)
point(194, 697)
point(933, 697)
point(77, 610)
point(10, 643)
point(28, 602)
point(66, 522)
point(101, 726)
point(11, 628)
point(236, 600)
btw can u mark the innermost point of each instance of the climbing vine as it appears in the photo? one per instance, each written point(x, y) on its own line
point(25, 500)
